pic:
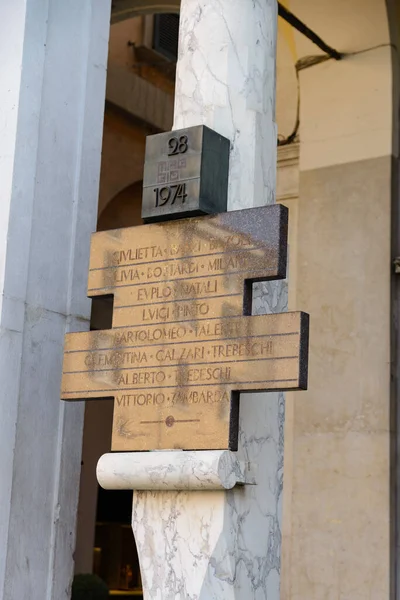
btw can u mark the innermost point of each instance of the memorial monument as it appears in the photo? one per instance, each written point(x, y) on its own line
point(184, 344)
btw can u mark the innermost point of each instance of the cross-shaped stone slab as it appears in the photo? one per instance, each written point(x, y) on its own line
point(183, 343)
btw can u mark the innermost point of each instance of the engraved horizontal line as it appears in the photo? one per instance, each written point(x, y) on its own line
point(113, 287)
point(196, 320)
point(164, 387)
point(158, 343)
point(174, 301)
point(164, 323)
point(160, 367)
point(170, 183)
point(175, 421)
point(172, 259)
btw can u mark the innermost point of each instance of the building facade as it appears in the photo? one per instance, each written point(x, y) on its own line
point(68, 167)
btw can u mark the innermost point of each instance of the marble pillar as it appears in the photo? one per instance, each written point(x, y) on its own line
point(201, 545)
point(226, 77)
point(52, 86)
point(195, 543)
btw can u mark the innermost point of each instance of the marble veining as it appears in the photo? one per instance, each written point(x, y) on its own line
point(202, 545)
point(221, 545)
point(175, 470)
point(225, 544)
point(226, 80)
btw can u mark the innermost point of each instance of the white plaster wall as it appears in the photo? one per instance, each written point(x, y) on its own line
point(346, 106)
point(287, 89)
point(128, 30)
point(350, 104)
point(52, 87)
point(140, 98)
point(337, 522)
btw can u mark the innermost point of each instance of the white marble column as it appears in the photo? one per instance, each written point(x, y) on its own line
point(225, 545)
point(52, 89)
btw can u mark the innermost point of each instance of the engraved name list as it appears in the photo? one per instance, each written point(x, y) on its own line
point(183, 342)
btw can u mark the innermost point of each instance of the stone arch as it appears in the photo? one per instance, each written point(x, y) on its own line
point(122, 154)
point(124, 210)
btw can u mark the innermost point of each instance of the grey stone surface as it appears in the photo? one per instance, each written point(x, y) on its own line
point(185, 174)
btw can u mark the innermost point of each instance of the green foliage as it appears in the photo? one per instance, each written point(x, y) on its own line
point(89, 587)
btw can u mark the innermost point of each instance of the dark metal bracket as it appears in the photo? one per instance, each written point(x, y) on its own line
point(311, 35)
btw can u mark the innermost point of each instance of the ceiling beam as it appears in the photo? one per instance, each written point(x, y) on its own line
point(126, 9)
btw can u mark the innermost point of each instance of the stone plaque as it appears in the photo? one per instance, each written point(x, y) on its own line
point(183, 343)
point(185, 174)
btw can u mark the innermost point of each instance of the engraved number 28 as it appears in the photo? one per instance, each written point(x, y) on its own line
point(177, 145)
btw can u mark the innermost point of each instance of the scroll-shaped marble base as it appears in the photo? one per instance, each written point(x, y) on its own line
point(206, 470)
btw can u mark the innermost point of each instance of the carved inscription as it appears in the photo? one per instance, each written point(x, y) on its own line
point(171, 171)
point(185, 173)
point(183, 344)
